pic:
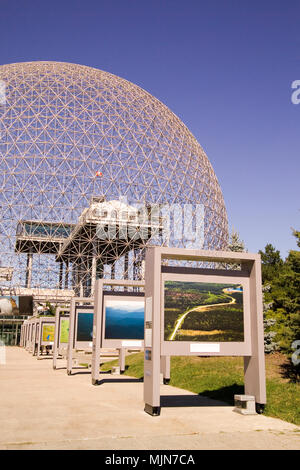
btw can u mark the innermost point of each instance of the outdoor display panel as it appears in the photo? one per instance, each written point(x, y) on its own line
point(81, 334)
point(21, 335)
point(46, 333)
point(29, 336)
point(32, 337)
point(80, 329)
point(119, 323)
point(61, 337)
point(35, 337)
point(28, 341)
point(25, 334)
point(37, 333)
point(203, 312)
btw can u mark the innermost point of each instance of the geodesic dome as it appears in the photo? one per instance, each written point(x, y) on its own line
point(70, 133)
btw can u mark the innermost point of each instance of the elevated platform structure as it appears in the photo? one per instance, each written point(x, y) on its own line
point(106, 231)
point(40, 295)
point(41, 237)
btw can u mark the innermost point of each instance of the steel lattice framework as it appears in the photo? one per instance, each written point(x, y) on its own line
point(70, 133)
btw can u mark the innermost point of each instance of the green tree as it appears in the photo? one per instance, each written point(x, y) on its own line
point(51, 309)
point(236, 244)
point(287, 297)
point(296, 234)
point(271, 263)
point(284, 298)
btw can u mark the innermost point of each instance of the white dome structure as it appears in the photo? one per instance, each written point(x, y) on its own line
point(72, 136)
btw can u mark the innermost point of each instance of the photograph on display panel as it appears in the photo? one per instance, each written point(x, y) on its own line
point(201, 311)
point(85, 326)
point(48, 332)
point(64, 330)
point(124, 319)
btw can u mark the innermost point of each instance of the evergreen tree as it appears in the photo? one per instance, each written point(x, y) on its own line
point(236, 244)
point(284, 298)
point(288, 298)
point(270, 343)
point(296, 234)
point(271, 263)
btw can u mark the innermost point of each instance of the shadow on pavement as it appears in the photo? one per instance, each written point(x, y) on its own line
point(221, 397)
point(117, 380)
point(173, 401)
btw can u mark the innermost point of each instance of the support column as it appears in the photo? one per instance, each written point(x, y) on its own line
point(99, 269)
point(254, 365)
point(80, 288)
point(67, 275)
point(126, 266)
point(16, 334)
point(152, 332)
point(74, 276)
point(122, 355)
point(29, 270)
point(93, 271)
point(135, 265)
point(93, 274)
point(97, 332)
point(165, 368)
point(79, 283)
point(113, 271)
point(61, 270)
point(126, 270)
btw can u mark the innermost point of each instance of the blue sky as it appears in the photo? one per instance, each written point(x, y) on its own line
point(224, 67)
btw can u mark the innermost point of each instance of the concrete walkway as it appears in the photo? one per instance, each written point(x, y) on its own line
point(45, 409)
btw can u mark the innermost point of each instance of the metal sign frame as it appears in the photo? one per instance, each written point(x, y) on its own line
point(84, 310)
point(42, 322)
point(82, 304)
point(252, 349)
point(99, 326)
point(83, 345)
point(35, 339)
point(99, 341)
point(58, 349)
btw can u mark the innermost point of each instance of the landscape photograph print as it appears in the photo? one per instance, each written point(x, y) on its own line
point(85, 326)
point(124, 319)
point(200, 311)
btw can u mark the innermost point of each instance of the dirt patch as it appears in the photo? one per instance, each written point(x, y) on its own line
point(276, 364)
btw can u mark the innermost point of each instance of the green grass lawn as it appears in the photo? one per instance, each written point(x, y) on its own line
point(222, 377)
